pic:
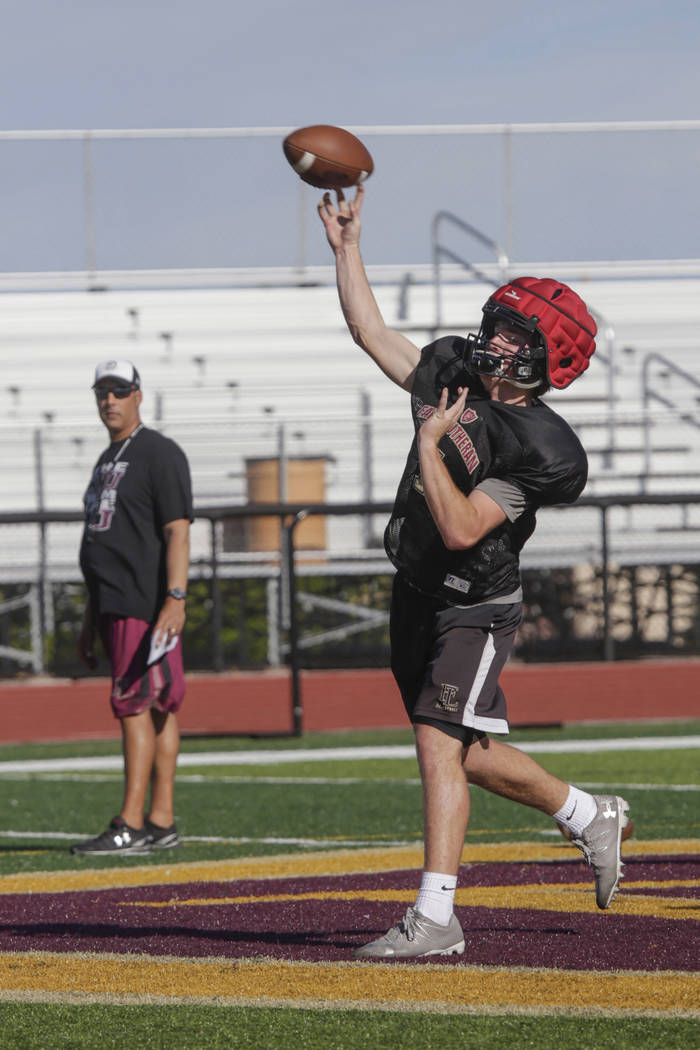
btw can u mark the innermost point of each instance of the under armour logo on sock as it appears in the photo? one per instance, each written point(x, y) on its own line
point(609, 811)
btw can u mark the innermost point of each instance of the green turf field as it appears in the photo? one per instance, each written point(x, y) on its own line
point(31, 1026)
point(236, 810)
point(246, 807)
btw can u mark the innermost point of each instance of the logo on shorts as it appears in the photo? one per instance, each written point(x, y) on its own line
point(447, 700)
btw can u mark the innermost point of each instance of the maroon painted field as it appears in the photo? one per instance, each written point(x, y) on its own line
point(324, 918)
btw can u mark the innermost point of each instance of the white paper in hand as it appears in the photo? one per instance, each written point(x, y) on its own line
point(160, 645)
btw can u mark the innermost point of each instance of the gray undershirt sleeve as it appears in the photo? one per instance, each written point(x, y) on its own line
point(509, 496)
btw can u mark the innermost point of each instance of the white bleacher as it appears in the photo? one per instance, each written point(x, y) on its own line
point(242, 371)
point(653, 315)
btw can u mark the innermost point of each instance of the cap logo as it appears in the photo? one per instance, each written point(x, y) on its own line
point(510, 294)
point(118, 369)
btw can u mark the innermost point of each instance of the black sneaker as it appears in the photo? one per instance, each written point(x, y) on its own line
point(161, 838)
point(119, 839)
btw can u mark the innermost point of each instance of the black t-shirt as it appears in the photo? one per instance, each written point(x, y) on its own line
point(531, 448)
point(138, 485)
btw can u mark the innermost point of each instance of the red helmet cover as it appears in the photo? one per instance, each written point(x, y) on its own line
point(561, 318)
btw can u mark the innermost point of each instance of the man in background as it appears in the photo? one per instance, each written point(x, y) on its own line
point(134, 557)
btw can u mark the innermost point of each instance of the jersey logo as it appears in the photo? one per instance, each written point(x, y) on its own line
point(426, 411)
point(101, 496)
point(465, 447)
point(457, 435)
point(458, 584)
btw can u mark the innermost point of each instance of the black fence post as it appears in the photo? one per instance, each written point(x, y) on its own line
point(294, 659)
point(608, 640)
point(216, 610)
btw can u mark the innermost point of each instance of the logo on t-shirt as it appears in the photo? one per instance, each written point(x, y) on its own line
point(101, 496)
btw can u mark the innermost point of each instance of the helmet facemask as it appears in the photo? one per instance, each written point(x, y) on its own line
point(524, 367)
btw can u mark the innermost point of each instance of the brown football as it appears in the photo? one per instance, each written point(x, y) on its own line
point(327, 157)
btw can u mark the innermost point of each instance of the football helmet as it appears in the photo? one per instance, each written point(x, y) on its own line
point(560, 330)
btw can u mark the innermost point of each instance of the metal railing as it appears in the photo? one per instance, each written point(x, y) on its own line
point(92, 174)
point(285, 565)
point(651, 393)
point(34, 656)
point(440, 251)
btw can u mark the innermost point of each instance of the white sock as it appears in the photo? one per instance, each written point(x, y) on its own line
point(577, 812)
point(436, 896)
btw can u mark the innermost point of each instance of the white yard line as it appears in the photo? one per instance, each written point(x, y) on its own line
point(201, 778)
point(269, 840)
point(326, 754)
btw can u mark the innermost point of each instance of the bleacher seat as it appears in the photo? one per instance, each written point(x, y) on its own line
point(241, 372)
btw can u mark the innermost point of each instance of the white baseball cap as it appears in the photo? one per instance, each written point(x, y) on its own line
point(123, 370)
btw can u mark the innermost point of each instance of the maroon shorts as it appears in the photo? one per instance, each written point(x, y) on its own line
point(135, 686)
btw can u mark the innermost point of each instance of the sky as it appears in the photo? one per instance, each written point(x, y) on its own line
point(89, 64)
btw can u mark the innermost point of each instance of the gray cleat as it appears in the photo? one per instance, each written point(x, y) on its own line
point(600, 844)
point(415, 935)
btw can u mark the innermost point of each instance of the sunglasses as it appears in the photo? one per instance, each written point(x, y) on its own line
point(119, 390)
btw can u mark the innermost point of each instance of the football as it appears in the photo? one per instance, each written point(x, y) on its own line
point(327, 157)
point(626, 831)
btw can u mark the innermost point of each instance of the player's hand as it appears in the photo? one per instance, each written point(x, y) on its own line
point(443, 418)
point(342, 220)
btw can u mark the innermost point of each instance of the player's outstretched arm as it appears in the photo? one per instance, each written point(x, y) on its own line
point(396, 356)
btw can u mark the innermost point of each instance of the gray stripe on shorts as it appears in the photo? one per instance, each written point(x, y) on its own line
point(469, 718)
point(479, 679)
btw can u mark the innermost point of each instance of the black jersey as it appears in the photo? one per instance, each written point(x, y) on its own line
point(530, 447)
point(137, 486)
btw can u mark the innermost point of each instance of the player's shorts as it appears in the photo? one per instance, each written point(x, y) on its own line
point(136, 687)
point(446, 661)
